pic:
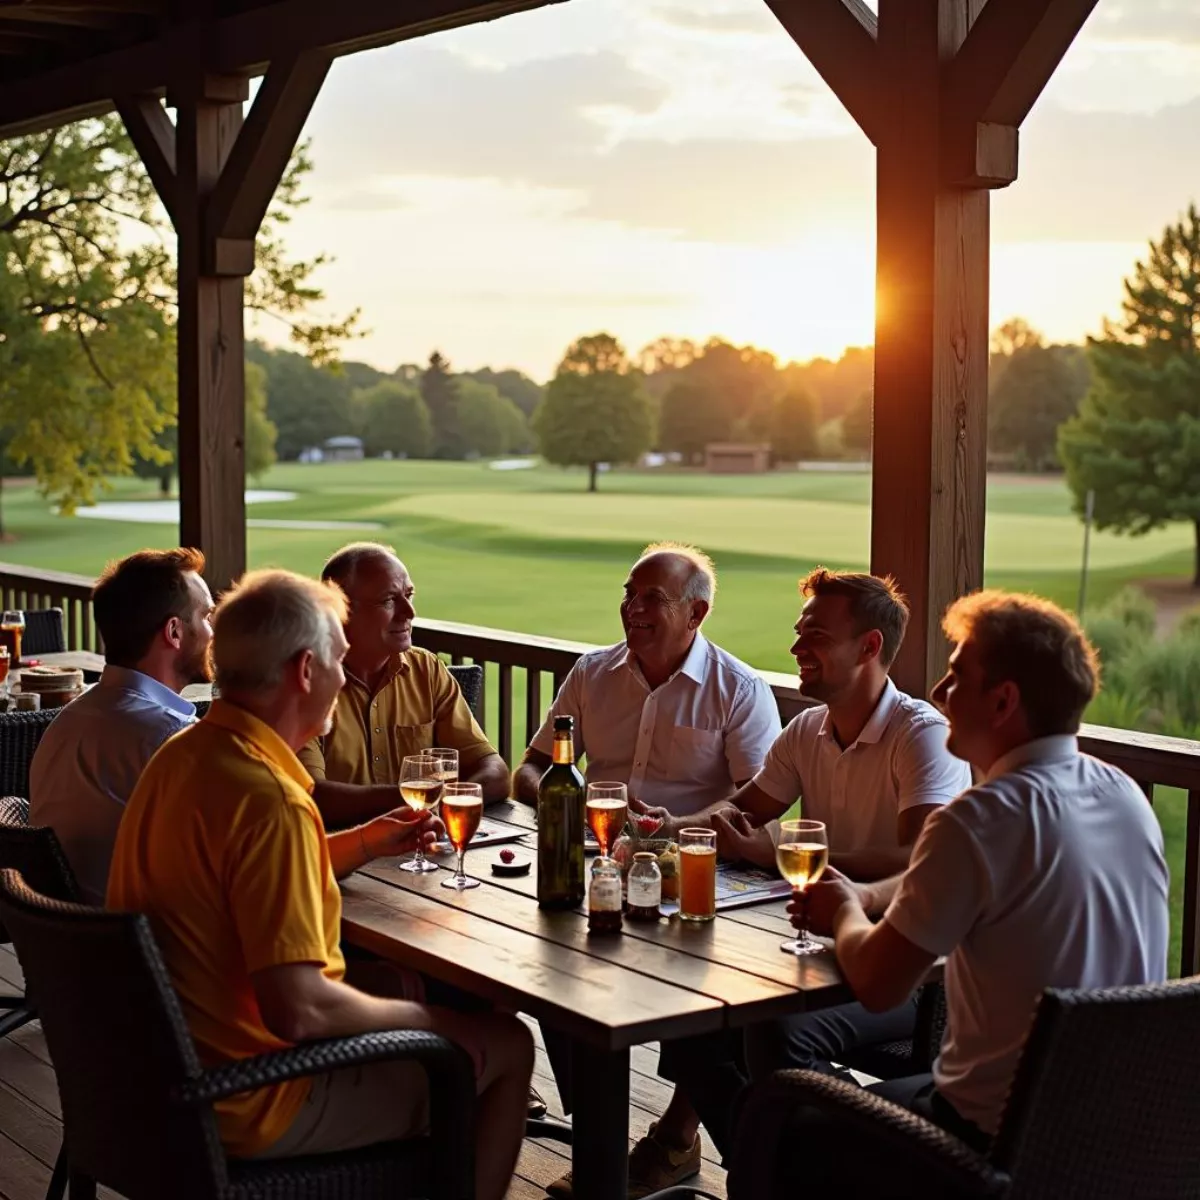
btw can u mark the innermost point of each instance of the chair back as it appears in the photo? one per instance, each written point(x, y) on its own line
point(119, 1045)
point(20, 733)
point(36, 853)
point(43, 632)
point(469, 678)
point(1105, 1102)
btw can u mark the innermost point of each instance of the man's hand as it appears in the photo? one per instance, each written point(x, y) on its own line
point(740, 841)
point(670, 825)
point(816, 907)
point(399, 831)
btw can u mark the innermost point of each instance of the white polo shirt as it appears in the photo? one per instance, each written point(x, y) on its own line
point(898, 761)
point(681, 746)
point(1050, 873)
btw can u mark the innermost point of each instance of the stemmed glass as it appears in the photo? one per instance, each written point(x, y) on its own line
point(421, 787)
point(607, 812)
point(462, 808)
point(802, 854)
point(448, 773)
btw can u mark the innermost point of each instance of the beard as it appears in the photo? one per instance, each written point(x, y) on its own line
point(196, 666)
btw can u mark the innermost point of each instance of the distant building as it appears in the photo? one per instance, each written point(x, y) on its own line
point(343, 449)
point(737, 458)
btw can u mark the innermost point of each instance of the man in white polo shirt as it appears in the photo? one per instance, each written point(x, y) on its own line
point(1049, 873)
point(872, 764)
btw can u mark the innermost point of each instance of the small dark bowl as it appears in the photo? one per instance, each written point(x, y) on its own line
point(512, 868)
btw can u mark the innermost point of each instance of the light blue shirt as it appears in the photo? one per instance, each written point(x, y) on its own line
point(89, 759)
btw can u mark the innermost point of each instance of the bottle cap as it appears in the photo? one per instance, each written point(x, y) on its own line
point(645, 856)
point(562, 724)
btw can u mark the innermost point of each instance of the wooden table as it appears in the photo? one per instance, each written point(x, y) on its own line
point(91, 664)
point(652, 983)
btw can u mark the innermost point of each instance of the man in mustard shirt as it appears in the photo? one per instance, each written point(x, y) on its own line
point(398, 699)
point(223, 848)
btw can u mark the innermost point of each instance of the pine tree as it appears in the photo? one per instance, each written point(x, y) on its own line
point(439, 390)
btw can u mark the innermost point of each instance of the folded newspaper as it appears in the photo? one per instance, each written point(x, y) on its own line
point(739, 885)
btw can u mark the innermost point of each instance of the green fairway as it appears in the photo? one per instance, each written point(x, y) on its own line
point(530, 550)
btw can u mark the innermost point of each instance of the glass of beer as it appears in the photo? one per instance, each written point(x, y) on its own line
point(697, 874)
point(462, 807)
point(802, 854)
point(12, 631)
point(421, 788)
point(607, 811)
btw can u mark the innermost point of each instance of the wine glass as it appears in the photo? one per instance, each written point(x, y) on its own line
point(448, 773)
point(421, 787)
point(802, 854)
point(462, 808)
point(607, 812)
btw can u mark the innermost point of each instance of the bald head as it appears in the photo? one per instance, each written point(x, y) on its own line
point(343, 566)
point(691, 568)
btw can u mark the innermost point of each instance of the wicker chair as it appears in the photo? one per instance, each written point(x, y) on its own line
point(20, 733)
point(470, 681)
point(1104, 1106)
point(137, 1106)
point(44, 632)
point(910, 1056)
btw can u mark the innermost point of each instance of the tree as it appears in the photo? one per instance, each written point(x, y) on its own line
point(260, 429)
point(690, 417)
point(489, 424)
point(858, 423)
point(1136, 440)
point(1039, 389)
point(595, 409)
point(308, 404)
point(794, 427)
point(439, 390)
point(392, 418)
point(513, 385)
point(88, 304)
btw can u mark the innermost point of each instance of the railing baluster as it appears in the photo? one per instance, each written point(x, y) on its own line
point(456, 660)
point(1189, 962)
point(506, 713)
point(533, 703)
point(482, 662)
point(558, 681)
point(1148, 788)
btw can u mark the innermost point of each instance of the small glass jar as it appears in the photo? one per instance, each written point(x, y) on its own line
point(604, 897)
point(645, 887)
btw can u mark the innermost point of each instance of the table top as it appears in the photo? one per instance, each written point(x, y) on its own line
point(91, 664)
point(653, 982)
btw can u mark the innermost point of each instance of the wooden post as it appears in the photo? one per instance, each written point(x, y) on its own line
point(931, 342)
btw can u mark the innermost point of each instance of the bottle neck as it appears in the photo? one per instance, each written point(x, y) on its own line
point(564, 748)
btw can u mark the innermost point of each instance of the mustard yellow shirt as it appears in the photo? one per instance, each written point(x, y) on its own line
point(223, 848)
point(416, 707)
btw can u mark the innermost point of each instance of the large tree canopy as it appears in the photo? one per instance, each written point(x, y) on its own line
point(88, 304)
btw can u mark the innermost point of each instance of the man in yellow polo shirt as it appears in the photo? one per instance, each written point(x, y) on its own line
point(398, 699)
point(223, 848)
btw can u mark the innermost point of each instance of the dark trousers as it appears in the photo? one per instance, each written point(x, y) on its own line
point(712, 1069)
point(918, 1094)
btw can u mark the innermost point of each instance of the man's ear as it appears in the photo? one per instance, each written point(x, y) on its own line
point(700, 610)
point(172, 632)
point(872, 645)
point(1006, 701)
point(301, 668)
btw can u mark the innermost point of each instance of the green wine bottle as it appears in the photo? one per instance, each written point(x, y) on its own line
point(560, 820)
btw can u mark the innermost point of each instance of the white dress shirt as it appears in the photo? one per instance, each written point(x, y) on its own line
point(898, 761)
point(1050, 873)
point(89, 759)
point(681, 746)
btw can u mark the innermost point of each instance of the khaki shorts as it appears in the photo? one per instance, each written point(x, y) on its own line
point(358, 1106)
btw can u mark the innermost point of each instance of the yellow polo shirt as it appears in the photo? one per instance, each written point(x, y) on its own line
point(416, 707)
point(223, 848)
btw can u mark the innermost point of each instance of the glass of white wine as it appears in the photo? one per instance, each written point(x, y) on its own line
point(448, 773)
point(802, 854)
point(421, 786)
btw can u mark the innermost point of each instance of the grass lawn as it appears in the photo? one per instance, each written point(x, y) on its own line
point(532, 551)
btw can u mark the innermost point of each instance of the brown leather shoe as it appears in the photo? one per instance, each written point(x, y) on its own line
point(653, 1165)
point(536, 1108)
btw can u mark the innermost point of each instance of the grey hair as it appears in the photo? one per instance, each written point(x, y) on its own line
point(343, 564)
point(701, 583)
point(265, 620)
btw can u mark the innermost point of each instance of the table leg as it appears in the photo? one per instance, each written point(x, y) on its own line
point(600, 1149)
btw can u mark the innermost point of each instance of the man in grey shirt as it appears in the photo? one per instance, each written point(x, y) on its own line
point(152, 610)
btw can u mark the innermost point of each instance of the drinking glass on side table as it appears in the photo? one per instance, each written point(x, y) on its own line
point(462, 808)
point(421, 787)
point(802, 855)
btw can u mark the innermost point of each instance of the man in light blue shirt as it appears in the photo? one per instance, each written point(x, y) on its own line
point(152, 610)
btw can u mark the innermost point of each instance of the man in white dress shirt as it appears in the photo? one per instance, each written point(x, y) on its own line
point(152, 610)
point(1049, 873)
point(872, 764)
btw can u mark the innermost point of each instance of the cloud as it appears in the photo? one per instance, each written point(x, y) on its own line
point(745, 19)
point(1151, 20)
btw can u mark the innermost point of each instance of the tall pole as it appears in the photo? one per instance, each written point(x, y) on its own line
point(1088, 512)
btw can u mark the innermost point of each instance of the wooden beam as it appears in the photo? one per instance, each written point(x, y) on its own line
point(1009, 57)
point(153, 136)
point(839, 38)
point(241, 43)
point(931, 342)
point(263, 148)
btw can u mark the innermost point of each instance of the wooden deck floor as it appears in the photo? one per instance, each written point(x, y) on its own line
point(31, 1130)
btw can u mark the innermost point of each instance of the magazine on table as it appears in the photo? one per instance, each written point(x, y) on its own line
point(739, 885)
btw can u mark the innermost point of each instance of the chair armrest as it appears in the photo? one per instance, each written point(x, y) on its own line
point(892, 1141)
point(441, 1058)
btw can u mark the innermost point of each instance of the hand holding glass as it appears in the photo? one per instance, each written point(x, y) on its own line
point(421, 787)
point(802, 854)
point(462, 808)
point(607, 811)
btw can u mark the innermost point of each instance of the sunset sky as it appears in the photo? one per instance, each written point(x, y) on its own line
point(676, 167)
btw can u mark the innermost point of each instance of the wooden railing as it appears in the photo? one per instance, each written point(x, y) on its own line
point(522, 672)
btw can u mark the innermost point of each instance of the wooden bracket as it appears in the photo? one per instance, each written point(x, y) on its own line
point(153, 136)
point(839, 38)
